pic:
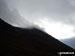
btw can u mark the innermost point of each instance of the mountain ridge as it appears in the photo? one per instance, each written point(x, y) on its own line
point(29, 42)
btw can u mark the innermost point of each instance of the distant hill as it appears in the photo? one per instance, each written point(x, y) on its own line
point(16, 41)
point(69, 41)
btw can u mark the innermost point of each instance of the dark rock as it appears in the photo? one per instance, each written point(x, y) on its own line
point(16, 41)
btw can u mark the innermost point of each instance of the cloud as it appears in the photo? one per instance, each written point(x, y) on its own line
point(32, 11)
point(60, 10)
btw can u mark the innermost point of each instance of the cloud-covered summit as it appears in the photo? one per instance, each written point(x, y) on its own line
point(25, 13)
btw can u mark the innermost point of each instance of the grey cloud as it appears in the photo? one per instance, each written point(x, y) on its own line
point(58, 10)
point(12, 16)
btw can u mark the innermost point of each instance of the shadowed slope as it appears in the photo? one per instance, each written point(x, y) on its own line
point(28, 42)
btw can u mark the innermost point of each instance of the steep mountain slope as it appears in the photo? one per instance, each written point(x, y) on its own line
point(28, 42)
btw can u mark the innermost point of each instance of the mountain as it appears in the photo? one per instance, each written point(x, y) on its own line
point(16, 41)
point(70, 42)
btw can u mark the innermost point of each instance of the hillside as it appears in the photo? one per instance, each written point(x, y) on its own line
point(28, 42)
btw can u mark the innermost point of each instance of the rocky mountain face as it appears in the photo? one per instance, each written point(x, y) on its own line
point(16, 41)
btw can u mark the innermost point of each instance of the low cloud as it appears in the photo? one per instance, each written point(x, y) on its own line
point(25, 13)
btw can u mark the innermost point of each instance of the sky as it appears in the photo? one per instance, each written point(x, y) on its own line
point(56, 17)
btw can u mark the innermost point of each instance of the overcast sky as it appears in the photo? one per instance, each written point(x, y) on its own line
point(53, 15)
